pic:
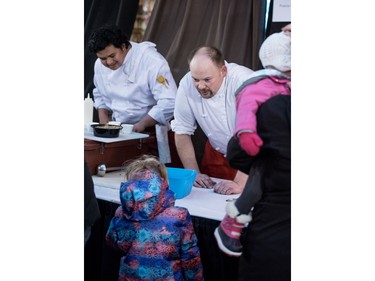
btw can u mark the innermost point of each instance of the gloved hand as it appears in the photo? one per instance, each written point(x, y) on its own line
point(250, 142)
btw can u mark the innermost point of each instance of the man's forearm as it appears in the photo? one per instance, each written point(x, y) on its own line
point(146, 122)
point(185, 150)
point(104, 116)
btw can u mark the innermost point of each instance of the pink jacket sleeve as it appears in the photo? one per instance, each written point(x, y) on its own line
point(252, 97)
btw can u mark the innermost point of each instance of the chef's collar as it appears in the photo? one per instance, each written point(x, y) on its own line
point(222, 90)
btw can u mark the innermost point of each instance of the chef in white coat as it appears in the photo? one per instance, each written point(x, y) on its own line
point(133, 84)
point(206, 97)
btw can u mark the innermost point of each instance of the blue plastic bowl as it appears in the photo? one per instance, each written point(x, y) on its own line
point(181, 181)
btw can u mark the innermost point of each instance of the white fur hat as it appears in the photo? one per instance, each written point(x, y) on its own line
point(276, 51)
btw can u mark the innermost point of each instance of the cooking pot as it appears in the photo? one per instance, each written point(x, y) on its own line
point(106, 131)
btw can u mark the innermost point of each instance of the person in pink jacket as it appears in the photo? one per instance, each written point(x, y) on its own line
point(274, 79)
point(275, 55)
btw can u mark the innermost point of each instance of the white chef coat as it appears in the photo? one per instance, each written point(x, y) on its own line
point(132, 90)
point(216, 116)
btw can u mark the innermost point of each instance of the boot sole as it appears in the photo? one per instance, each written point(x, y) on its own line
point(222, 247)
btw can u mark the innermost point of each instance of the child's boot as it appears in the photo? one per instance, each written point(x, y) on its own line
point(228, 233)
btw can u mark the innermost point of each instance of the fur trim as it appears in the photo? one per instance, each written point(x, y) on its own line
point(233, 212)
point(244, 218)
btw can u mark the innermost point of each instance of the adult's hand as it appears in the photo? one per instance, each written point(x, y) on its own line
point(203, 180)
point(104, 116)
point(228, 187)
point(138, 127)
point(146, 122)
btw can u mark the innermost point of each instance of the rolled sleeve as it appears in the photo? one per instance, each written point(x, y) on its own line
point(184, 121)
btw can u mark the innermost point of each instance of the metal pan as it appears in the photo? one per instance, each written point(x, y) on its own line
point(106, 131)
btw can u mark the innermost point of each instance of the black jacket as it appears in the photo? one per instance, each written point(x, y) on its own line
point(267, 241)
point(92, 212)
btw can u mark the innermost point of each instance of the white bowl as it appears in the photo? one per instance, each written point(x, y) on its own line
point(127, 129)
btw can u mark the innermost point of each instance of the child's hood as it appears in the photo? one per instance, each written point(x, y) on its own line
point(146, 196)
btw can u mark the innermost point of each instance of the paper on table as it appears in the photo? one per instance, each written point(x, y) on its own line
point(201, 202)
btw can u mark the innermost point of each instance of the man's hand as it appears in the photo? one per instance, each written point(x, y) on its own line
point(228, 187)
point(138, 127)
point(202, 180)
point(146, 122)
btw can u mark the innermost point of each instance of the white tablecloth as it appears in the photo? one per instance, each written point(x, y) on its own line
point(201, 202)
point(121, 137)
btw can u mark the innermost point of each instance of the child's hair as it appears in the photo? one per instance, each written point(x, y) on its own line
point(144, 163)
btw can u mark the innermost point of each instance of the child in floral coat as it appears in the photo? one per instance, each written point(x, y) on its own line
point(156, 237)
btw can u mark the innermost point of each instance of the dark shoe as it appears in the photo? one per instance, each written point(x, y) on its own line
point(228, 235)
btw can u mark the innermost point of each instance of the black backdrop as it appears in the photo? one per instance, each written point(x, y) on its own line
point(98, 13)
point(123, 13)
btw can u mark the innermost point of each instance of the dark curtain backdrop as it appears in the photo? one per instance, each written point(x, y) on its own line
point(98, 13)
point(177, 26)
point(236, 27)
